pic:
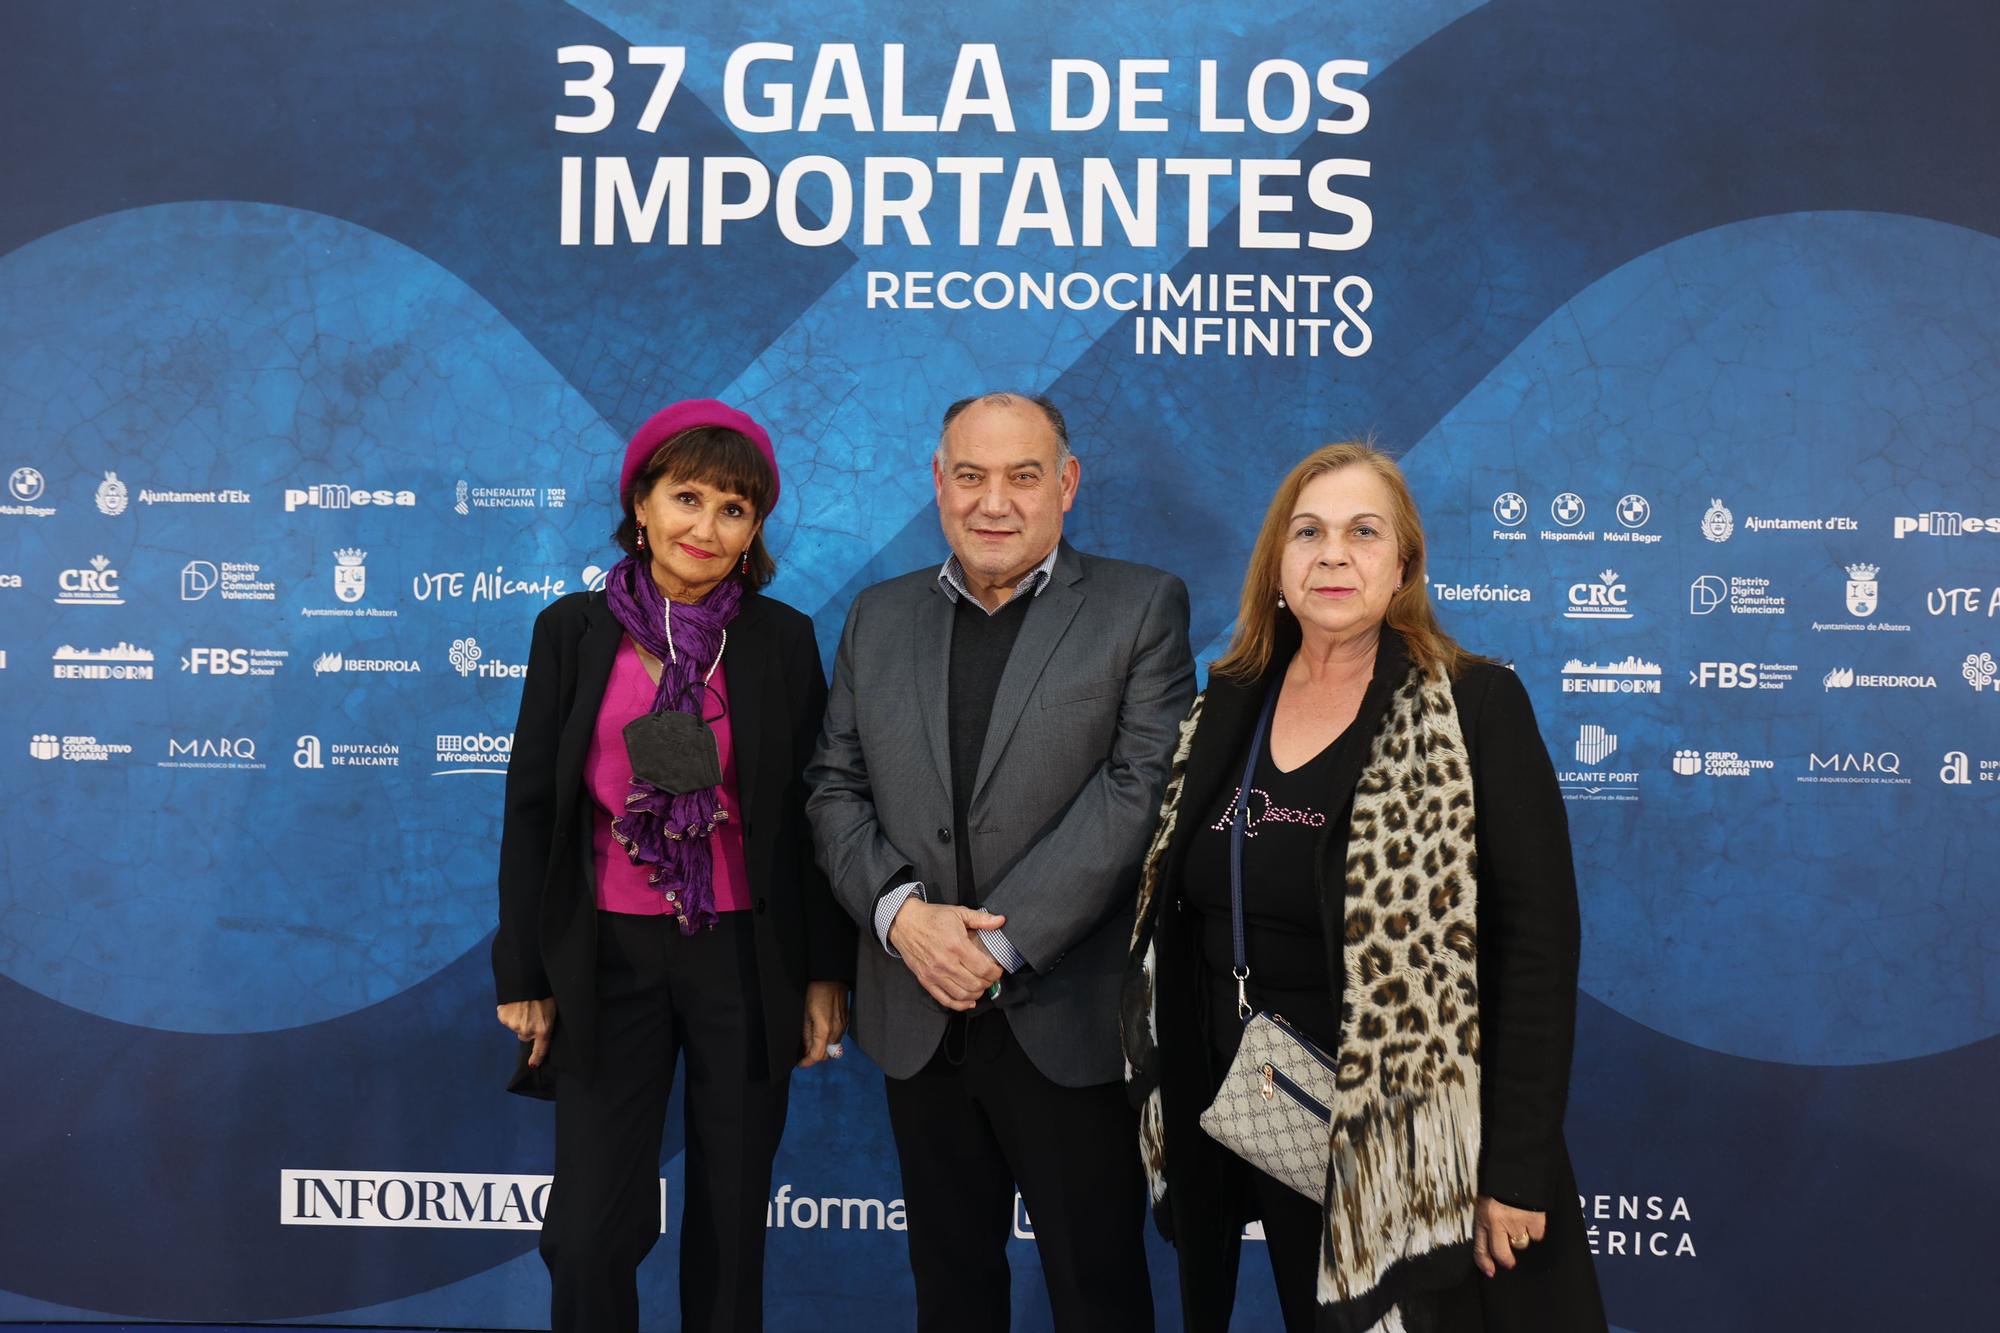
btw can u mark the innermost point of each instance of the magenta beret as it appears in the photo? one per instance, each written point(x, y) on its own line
point(687, 414)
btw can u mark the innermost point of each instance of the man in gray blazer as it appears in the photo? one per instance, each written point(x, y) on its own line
point(996, 745)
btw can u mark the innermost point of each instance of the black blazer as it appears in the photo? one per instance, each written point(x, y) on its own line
point(547, 940)
point(1528, 939)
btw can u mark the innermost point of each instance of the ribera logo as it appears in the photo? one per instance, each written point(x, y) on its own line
point(473, 752)
point(123, 662)
point(1603, 600)
point(333, 495)
point(468, 659)
point(1978, 670)
point(96, 585)
point(1629, 675)
point(1943, 523)
point(205, 660)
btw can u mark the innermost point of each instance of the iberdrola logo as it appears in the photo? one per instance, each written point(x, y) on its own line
point(111, 495)
point(1717, 523)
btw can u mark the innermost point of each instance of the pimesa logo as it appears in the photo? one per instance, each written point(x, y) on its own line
point(1943, 523)
point(332, 495)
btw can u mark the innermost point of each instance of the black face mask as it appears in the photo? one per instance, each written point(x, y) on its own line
point(675, 752)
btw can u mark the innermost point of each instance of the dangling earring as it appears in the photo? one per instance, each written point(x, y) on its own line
point(642, 537)
point(744, 568)
point(1281, 601)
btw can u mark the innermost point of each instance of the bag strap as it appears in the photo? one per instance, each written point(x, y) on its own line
point(1239, 820)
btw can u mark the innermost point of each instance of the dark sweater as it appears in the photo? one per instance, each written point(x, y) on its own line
point(980, 647)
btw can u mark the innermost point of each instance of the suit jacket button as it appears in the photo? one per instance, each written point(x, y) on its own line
point(944, 835)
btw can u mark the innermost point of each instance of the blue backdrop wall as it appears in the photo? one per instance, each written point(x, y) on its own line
point(321, 327)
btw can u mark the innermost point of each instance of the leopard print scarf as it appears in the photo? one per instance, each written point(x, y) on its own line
point(1404, 1168)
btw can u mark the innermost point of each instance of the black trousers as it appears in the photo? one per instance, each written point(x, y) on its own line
point(662, 997)
point(974, 1122)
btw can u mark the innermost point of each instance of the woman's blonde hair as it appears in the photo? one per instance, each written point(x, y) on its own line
point(1260, 621)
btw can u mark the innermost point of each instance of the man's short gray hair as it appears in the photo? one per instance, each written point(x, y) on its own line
point(1041, 400)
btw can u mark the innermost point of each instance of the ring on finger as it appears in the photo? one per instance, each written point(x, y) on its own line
point(1518, 1242)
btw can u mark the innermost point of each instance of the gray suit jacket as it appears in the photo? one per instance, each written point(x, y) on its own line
point(1069, 785)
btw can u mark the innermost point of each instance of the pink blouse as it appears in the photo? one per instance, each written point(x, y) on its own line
point(607, 773)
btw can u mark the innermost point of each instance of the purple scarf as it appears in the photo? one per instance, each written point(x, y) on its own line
point(667, 832)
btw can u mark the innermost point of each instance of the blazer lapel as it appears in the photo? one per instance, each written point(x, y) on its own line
point(745, 659)
point(930, 658)
point(1047, 620)
point(596, 651)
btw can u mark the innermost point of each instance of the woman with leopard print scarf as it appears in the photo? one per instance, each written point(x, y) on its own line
point(1409, 905)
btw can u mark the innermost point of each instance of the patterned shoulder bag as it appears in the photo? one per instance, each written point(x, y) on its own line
point(1272, 1108)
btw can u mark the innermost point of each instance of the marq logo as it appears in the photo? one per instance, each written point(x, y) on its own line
point(1978, 670)
point(1943, 523)
point(468, 659)
point(1855, 768)
point(95, 586)
point(332, 495)
point(112, 496)
point(1602, 600)
point(350, 575)
point(212, 752)
point(1717, 523)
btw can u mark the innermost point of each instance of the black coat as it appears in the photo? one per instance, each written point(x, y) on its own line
point(547, 941)
point(1528, 938)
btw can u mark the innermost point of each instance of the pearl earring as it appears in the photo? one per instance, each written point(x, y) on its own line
point(1281, 601)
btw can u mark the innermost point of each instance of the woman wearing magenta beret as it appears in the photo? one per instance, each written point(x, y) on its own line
point(658, 895)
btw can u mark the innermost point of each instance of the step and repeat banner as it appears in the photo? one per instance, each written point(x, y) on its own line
point(322, 327)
